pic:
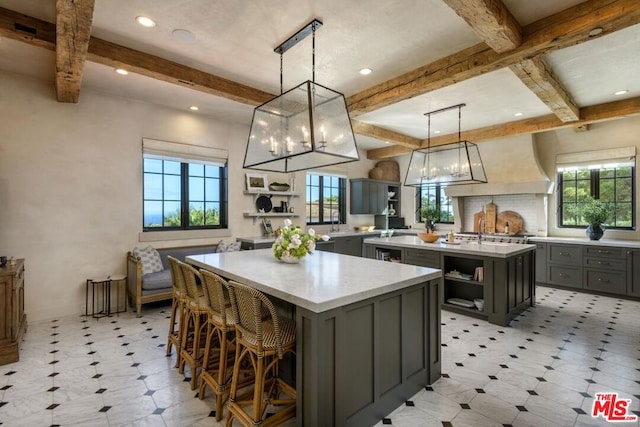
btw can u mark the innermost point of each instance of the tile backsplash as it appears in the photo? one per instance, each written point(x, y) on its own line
point(524, 204)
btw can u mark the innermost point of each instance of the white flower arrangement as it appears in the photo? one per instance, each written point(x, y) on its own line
point(293, 242)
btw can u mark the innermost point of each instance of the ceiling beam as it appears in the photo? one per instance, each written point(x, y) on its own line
point(73, 30)
point(567, 28)
point(536, 74)
point(365, 129)
point(593, 114)
point(491, 21)
point(114, 55)
point(40, 33)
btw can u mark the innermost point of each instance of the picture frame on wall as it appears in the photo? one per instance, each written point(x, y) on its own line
point(257, 182)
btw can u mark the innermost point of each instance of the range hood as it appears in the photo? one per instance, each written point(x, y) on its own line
point(511, 166)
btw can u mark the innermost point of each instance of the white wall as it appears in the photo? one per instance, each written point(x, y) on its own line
point(71, 190)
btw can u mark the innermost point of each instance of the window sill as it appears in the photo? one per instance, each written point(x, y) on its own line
point(157, 236)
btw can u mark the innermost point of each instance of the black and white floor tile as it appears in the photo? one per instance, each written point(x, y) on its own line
point(542, 370)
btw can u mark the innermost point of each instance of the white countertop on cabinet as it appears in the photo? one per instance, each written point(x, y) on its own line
point(320, 282)
point(584, 241)
point(346, 233)
point(490, 249)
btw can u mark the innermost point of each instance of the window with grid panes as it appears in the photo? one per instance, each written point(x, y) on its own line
point(615, 185)
point(325, 199)
point(434, 195)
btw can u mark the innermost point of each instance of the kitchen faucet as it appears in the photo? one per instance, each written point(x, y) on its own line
point(482, 225)
point(335, 225)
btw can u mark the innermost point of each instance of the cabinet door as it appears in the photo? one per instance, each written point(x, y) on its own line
point(6, 300)
point(348, 246)
point(633, 272)
point(358, 197)
point(541, 262)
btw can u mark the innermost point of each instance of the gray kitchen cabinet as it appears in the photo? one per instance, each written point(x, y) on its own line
point(564, 265)
point(541, 262)
point(605, 269)
point(348, 245)
point(327, 246)
point(422, 258)
point(633, 272)
point(371, 196)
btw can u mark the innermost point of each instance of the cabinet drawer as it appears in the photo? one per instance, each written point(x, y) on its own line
point(604, 252)
point(422, 258)
point(612, 282)
point(565, 276)
point(565, 254)
point(606, 263)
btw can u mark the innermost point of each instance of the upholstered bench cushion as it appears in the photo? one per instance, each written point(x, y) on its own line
point(157, 280)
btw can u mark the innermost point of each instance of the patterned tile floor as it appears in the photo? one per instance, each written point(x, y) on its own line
point(543, 370)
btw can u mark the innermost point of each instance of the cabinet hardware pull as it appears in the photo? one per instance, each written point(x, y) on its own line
point(565, 253)
point(563, 275)
point(603, 263)
point(601, 280)
point(603, 252)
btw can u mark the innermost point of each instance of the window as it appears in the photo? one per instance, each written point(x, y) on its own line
point(326, 199)
point(434, 196)
point(179, 195)
point(615, 185)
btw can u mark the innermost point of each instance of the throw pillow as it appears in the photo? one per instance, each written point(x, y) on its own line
point(150, 259)
point(228, 247)
point(222, 247)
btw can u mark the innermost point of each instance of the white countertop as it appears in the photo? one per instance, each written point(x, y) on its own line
point(491, 249)
point(320, 282)
point(345, 233)
point(586, 241)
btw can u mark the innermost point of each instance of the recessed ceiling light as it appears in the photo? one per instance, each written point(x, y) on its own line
point(193, 108)
point(436, 131)
point(122, 71)
point(145, 22)
point(366, 71)
point(387, 142)
point(519, 114)
point(621, 92)
point(184, 36)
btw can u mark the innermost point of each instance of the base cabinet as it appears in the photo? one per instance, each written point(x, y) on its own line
point(350, 245)
point(13, 320)
point(633, 273)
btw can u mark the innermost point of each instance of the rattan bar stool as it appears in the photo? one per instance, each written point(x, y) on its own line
point(262, 343)
point(178, 309)
point(219, 350)
point(196, 308)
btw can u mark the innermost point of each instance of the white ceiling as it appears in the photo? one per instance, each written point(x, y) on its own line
point(235, 40)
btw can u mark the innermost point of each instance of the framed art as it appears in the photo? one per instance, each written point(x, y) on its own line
point(257, 182)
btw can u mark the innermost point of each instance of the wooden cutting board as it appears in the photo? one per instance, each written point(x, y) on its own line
point(476, 221)
point(490, 218)
point(515, 220)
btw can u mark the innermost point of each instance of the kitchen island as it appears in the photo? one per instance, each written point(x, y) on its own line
point(368, 333)
point(501, 275)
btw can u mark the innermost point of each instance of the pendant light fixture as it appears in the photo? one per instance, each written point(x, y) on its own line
point(304, 128)
point(449, 164)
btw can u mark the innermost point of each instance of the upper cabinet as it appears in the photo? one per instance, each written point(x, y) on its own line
point(371, 196)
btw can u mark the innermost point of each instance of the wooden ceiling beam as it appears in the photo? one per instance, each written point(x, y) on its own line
point(567, 28)
point(593, 114)
point(536, 74)
point(40, 33)
point(491, 21)
point(73, 30)
point(382, 134)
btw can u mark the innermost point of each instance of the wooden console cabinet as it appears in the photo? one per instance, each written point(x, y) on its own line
point(13, 320)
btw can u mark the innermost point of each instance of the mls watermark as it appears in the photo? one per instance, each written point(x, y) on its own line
point(612, 409)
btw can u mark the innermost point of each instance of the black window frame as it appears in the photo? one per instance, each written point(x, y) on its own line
point(184, 198)
point(342, 200)
point(594, 190)
point(439, 190)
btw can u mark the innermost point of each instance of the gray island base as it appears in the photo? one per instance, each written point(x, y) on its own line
point(368, 332)
point(506, 285)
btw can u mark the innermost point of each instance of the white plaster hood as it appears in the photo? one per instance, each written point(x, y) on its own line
point(512, 167)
